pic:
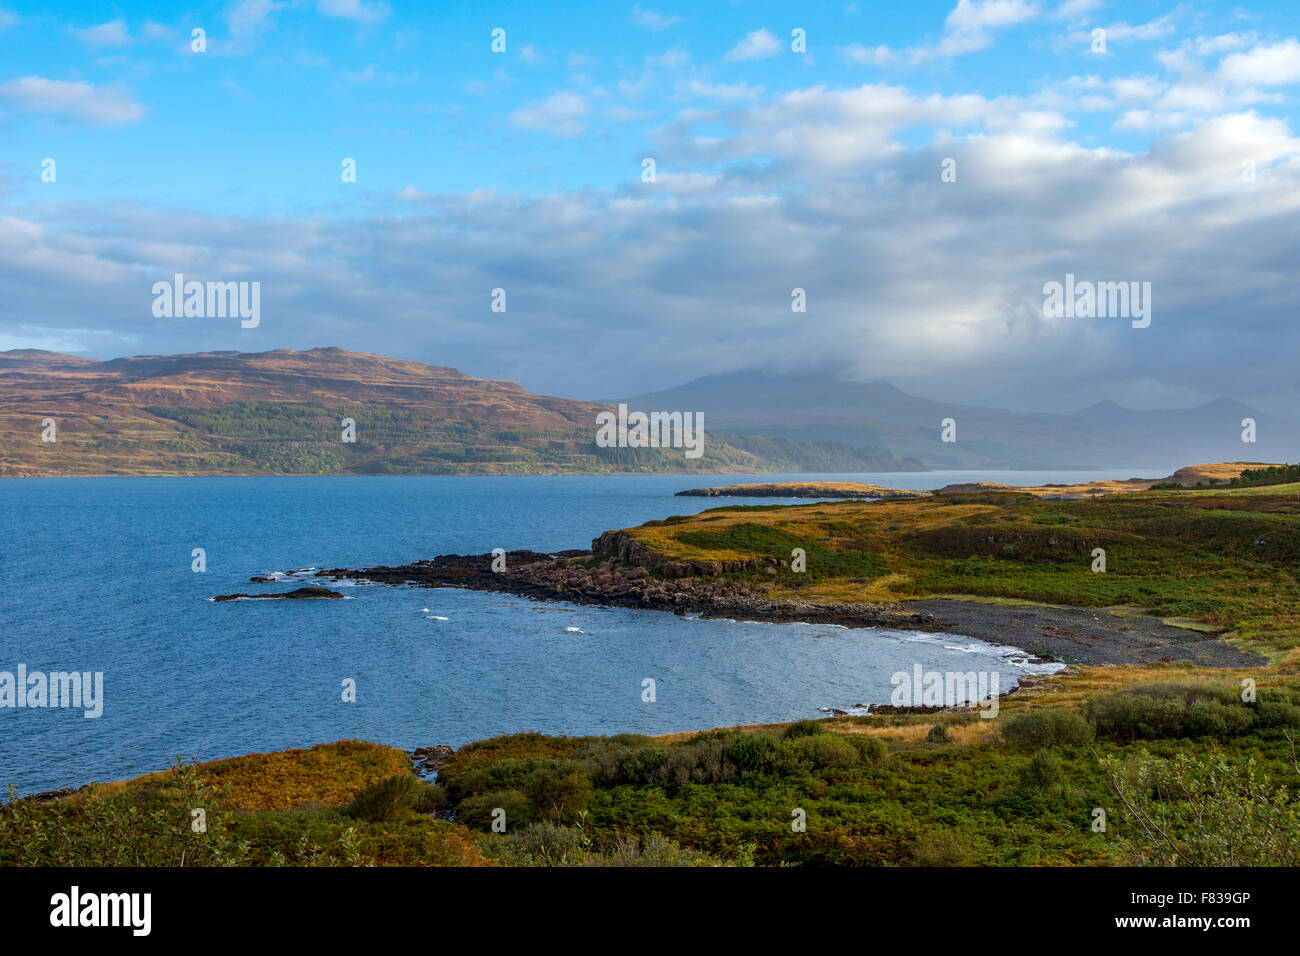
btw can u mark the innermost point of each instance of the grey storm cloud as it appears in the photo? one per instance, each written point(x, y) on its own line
point(935, 286)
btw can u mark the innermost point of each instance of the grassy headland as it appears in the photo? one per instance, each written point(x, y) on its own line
point(1223, 559)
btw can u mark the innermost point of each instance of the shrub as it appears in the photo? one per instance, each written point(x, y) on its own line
point(656, 850)
point(822, 752)
point(506, 774)
point(1277, 714)
point(383, 800)
point(1047, 727)
point(621, 759)
point(1171, 710)
point(938, 735)
point(871, 750)
point(941, 848)
point(1130, 716)
point(1212, 719)
point(476, 811)
point(549, 844)
point(429, 798)
point(1203, 811)
point(540, 844)
point(1042, 774)
point(803, 728)
point(557, 794)
point(700, 762)
point(752, 753)
point(718, 733)
point(639, 767)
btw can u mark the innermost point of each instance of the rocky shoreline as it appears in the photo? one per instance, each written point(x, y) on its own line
point(582, 577)
point(620, 572)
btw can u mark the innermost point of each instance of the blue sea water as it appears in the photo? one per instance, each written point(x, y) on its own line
point(95, 575)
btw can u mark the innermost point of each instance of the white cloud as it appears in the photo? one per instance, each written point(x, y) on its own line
point(1075, 8)
point(250, 18)
point(112, 33)
point(868, 56)
point(84, 102)
point(355, 10)
point(1274, 65)
point(719, 91)
point(1093, 93)
point(1206, 45)
point(651, 20)
point(560, 113)
point(968, 28)
point(1146, 121)
point(156, 31)
point(7, 19)
point(972, 15)
point(1151, 30)
point(757, 45)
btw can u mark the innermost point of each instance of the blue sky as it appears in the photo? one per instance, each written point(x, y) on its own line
point(775, 169)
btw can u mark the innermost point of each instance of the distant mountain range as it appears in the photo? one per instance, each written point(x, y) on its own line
point(820, 408)
point(281, 412)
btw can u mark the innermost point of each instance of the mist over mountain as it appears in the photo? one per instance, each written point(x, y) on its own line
point(813, 406)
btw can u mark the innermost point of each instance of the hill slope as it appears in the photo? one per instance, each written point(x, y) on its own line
point(280, 412)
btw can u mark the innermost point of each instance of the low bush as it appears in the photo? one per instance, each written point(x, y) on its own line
point(938, 735)
point(752, 753)
point(478, 812)
point(1156, 711)
point(1043, 774)
point(822, 752)
point(870, 749)
point(429, 798)
point(1047, 727)
point(941, 848)
point(803, 728)
point(383, 800)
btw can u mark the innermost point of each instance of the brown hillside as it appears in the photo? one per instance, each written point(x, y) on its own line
point(280, 412)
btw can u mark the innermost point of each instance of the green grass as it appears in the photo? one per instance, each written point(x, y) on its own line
point(1216, 560)
point(761, 541)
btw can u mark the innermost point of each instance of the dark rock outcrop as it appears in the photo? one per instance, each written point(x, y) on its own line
point(296, 594)
point(435, 757)
point(621, 572)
